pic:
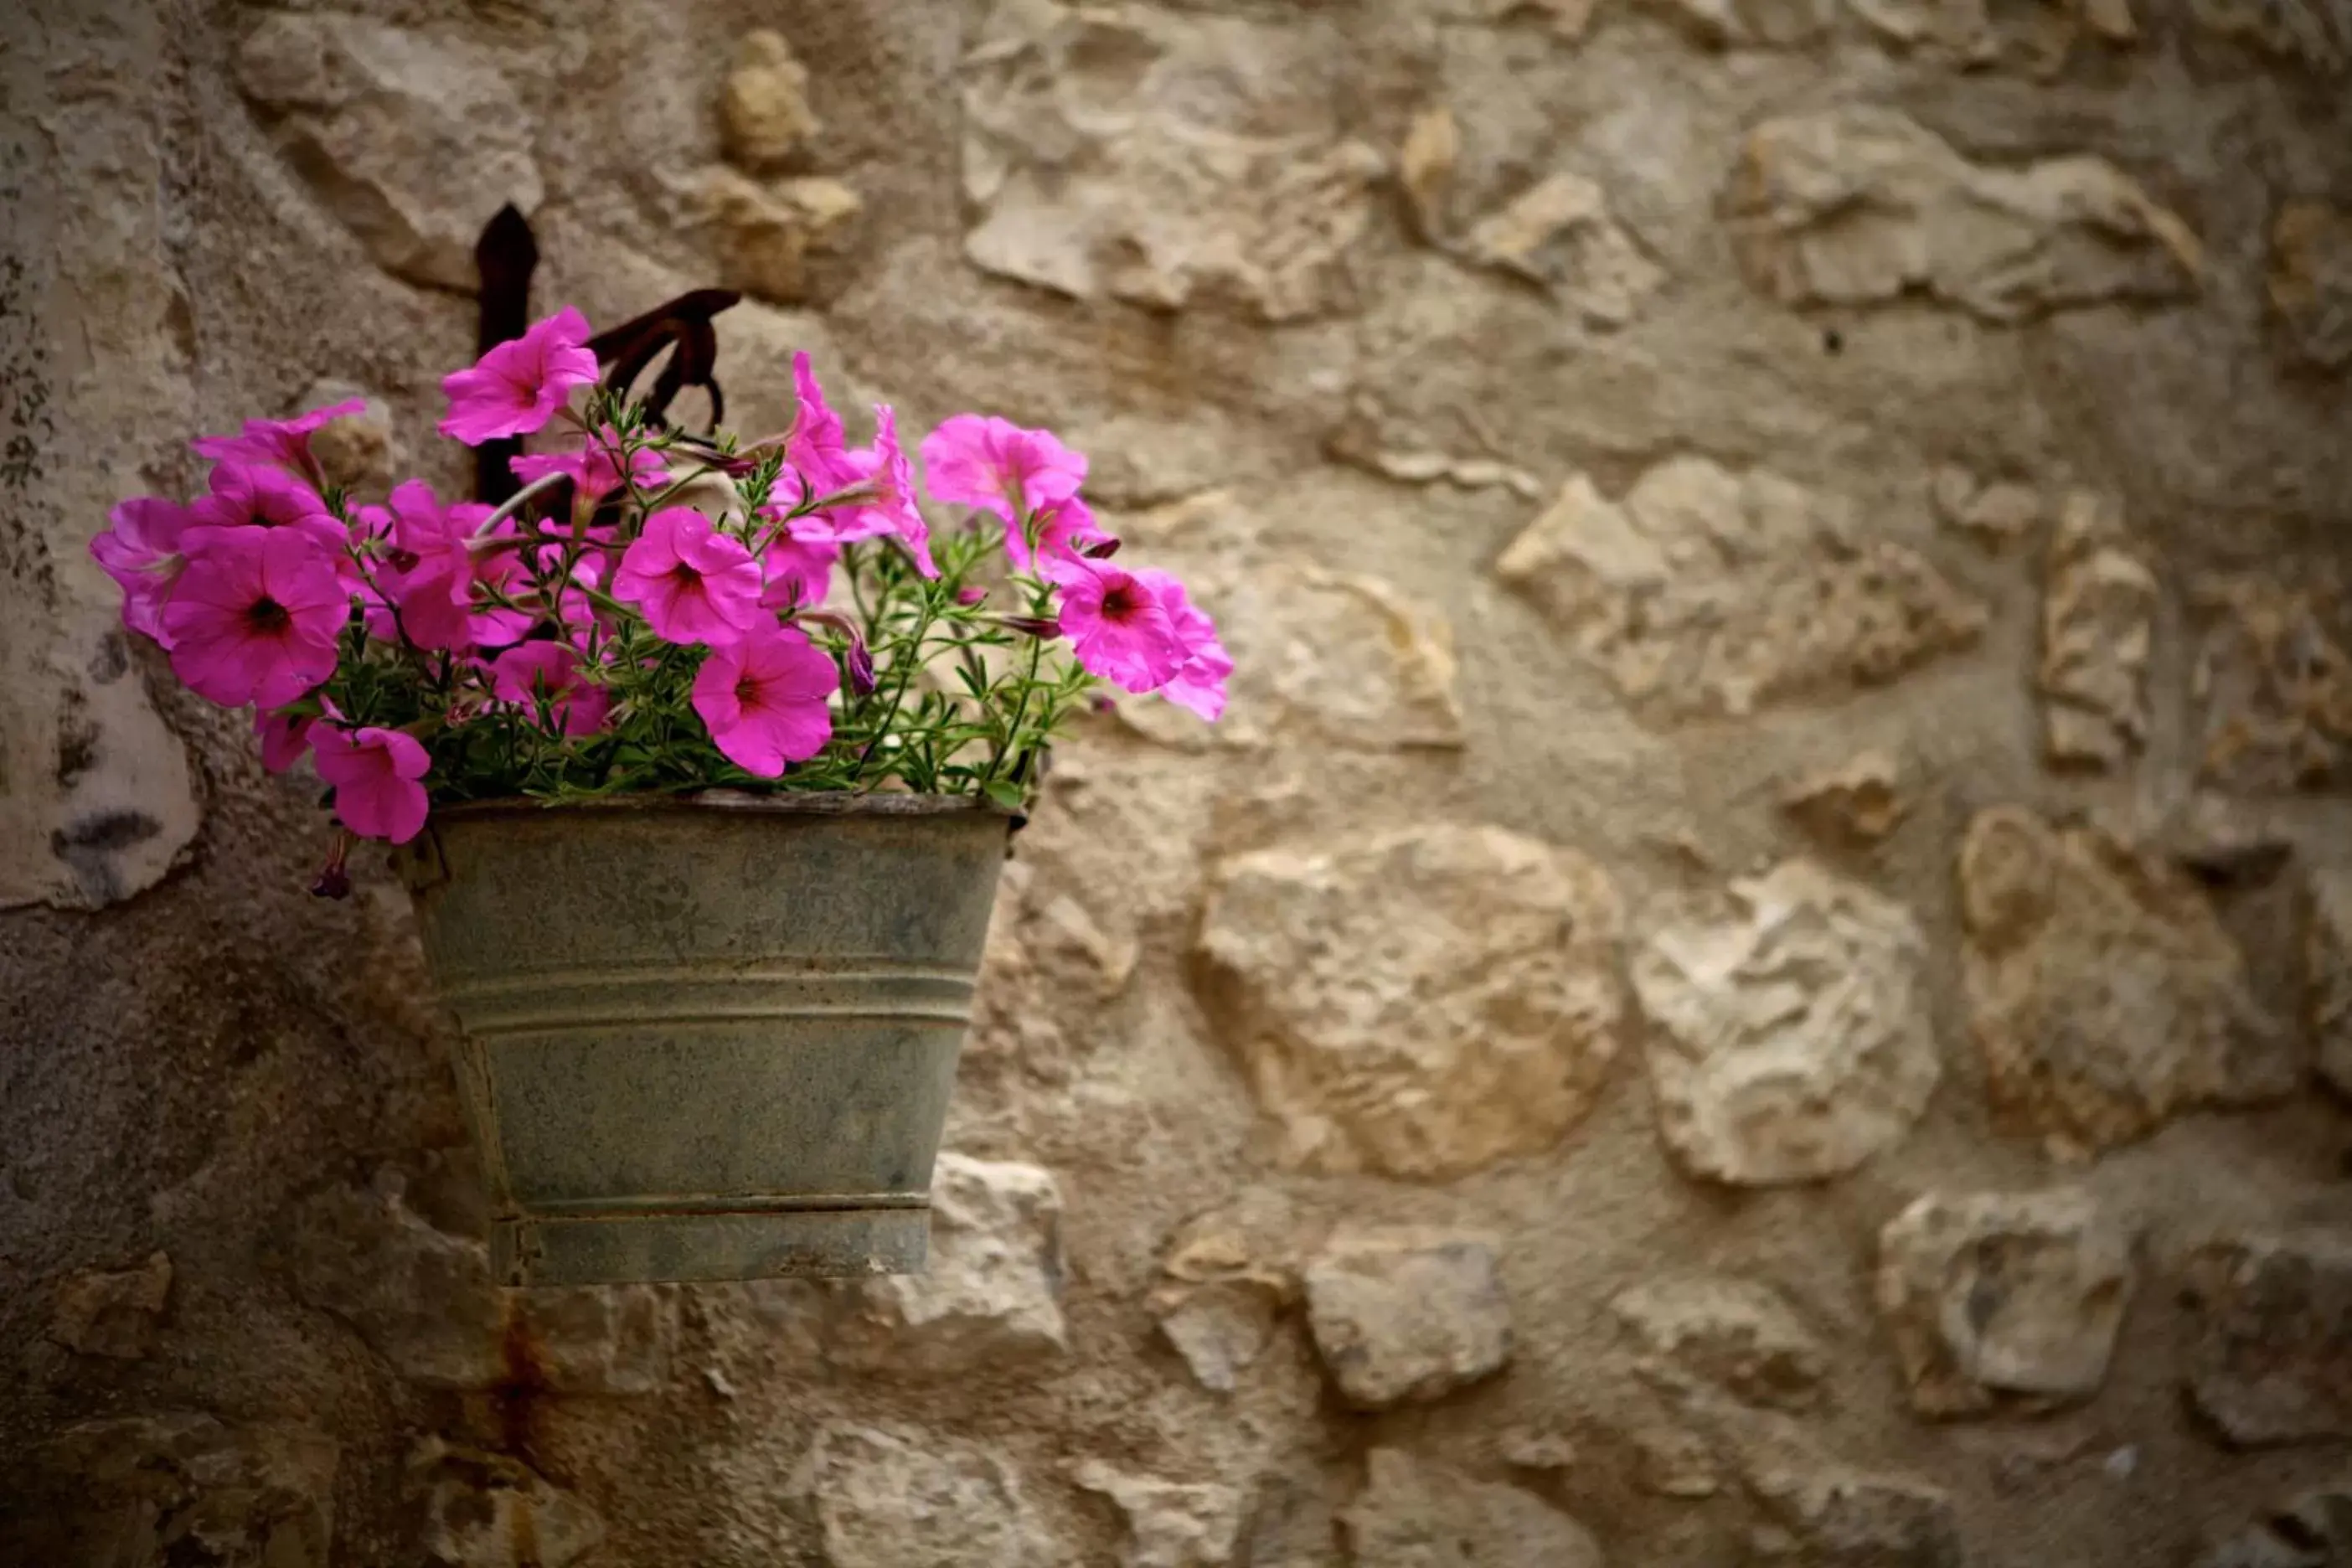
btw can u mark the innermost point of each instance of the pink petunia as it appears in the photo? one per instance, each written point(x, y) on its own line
point(1062, 529)
point(996, 465)
point(595, 468)
point(375, 772)
point(891, 512)
point(1199, 683)
point(530, 672)
point(517, 387)
point(765, 699)
point(277, 443)
point(141, 552)
point(285, 737)
point(816, 447)
point(1118, 627)
point(691, 583)
point(429, 580)
point(798, 570)
point(250, 495)
point(255, 619)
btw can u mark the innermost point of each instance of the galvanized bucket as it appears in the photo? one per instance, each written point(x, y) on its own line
point(708, 1038)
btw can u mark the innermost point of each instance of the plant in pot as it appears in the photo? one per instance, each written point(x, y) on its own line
point(700, 756)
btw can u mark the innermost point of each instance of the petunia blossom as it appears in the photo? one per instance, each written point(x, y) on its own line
point(1063, 529)
point(375, 772)
point(797, 571)
point(255, 619)
point(530, 672)
point(765, 699)
point(817, 446)
point(1118, 627)
point(277, 443)
point(891, 512)
point(141, 552)
point(1199, 683)
point(594, 468)
point(285, 737)
point(996, 465)
point(253, 495)
point(428, 581)
point(691, 583)
point(517, 387)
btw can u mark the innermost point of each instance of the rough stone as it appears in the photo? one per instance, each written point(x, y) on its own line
point(1738, 1335)
point(1421, 1002)
point(2312, 1530)
point(885, 1497)
point(2274, 1358)
point(2003, 1299)
point(113, 1312)
point(1096, 169)
point(1996, 513)
point(424, 1299)
point(2311, 281)
point(1168, 1525)
point(1336, 659)
point(2314, 34)
point(155, 1492)
point(413, 142)
point(2327, 973)
point(1860, 206)
point(1972, 33)
point(1841, 1518)
point(1432, 143)
point(992, 1294)
point(1406, 1316)
point(1671, 1462)
point(2273, 682)
point(2103, 991)
point(1854, 804)
point(1558, 235)
point(491, 1510)
point(2098, 633)
point(1220, 1328)
point(360, 451)
point(765, 234)
point(1750, 24)
point(1707, 591)
point(1791, 1039)
point(764, 109)
point(1292, 1523)
point(1412, 1514)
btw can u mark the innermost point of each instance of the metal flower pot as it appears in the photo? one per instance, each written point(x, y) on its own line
point(709, 1038)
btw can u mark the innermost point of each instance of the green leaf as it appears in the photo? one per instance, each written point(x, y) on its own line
point(1007, 793)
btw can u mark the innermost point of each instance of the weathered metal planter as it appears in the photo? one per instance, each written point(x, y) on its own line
point(711, 1038)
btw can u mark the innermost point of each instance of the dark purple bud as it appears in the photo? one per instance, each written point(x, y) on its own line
point(1034, 626)
point(971, 596)
point(1103, 702)
point(334, 881)
point(861, 668)
point(1101, 549)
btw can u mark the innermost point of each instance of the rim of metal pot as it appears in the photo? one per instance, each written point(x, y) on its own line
point(784, 803)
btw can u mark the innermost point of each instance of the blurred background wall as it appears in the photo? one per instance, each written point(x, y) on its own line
point(1759, 971)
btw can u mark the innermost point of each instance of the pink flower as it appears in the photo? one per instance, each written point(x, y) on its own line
point(764, 698)
point(1118, 627)
point(285, 737)
point(996, 465)
point(1199, 683)
point(142, 553)
point(798, 570)
point(374, 773)
point(692, 583)
point(255, 619)
point(815, 444)
point(430, 580)
point(517, 387)
point(1062, 529)
point(885, 468)
point(531, 671)
point(248, 495)
point(595, 468)
point(279, 443)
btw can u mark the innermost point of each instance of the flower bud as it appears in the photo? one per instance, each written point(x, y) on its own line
point(972, 596)
point(334, 881)
point(1101, 549)
point(861, 668)
point(1032, 626)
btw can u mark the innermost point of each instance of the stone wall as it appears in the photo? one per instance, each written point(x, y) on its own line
point(1761, 970)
